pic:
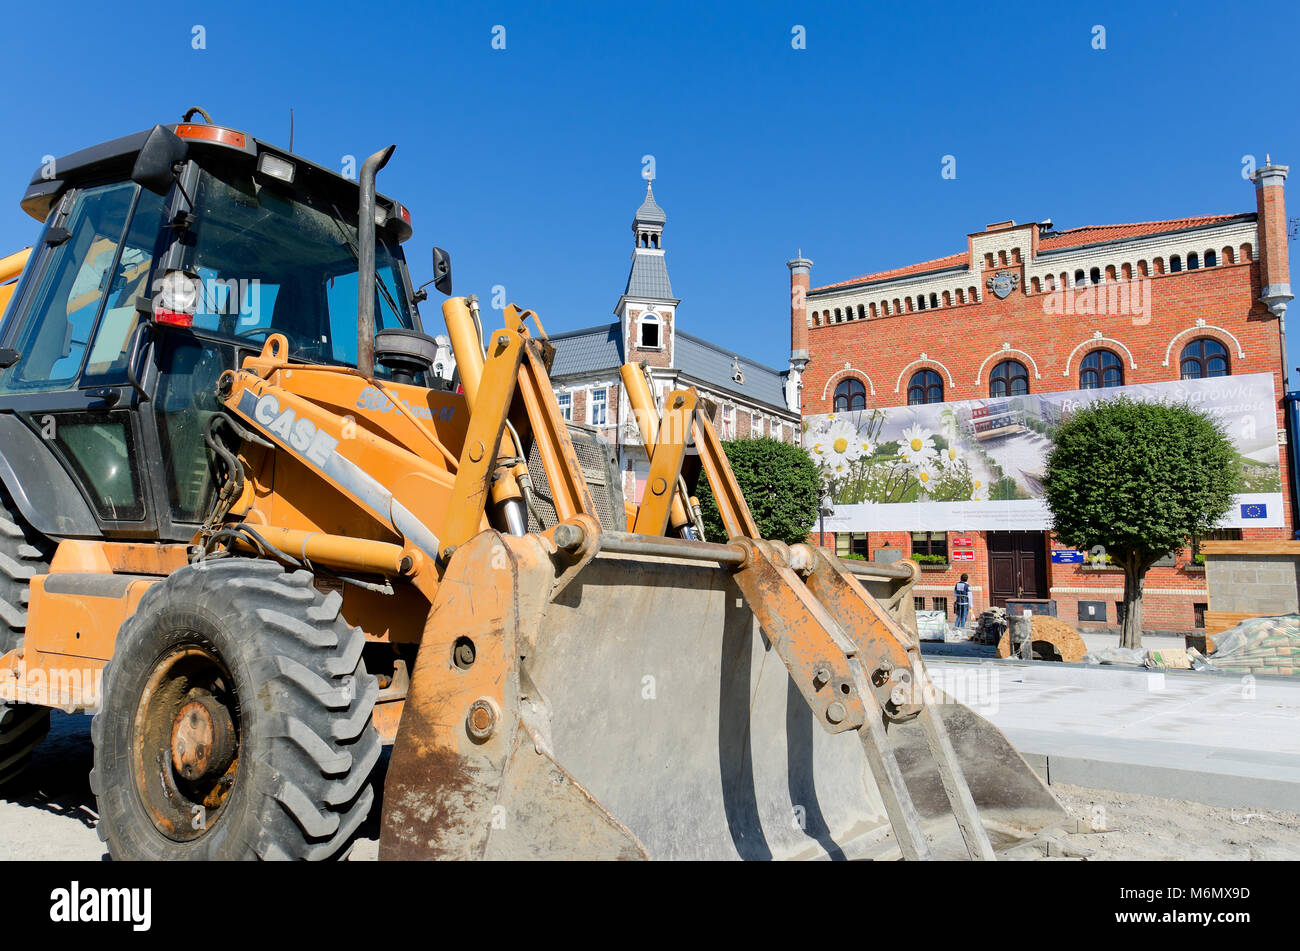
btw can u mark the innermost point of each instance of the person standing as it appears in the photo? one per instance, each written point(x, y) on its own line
point(962, 591)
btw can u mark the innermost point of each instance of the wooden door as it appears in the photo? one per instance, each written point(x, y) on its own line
point(1017, 566)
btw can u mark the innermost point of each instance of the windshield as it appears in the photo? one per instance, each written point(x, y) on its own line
point(270, 259)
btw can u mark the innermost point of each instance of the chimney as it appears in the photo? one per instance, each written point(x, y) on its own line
point(800, 275)
point(1274, 268)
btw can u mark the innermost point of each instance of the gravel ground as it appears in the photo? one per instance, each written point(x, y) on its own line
point(52, 816)
point(1148, 828)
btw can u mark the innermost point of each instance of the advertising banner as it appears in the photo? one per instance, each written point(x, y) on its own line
point(978, 465)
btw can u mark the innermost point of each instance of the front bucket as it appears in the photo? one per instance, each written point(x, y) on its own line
point(668, 705)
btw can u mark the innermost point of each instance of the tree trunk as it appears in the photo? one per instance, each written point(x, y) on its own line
point(1131, 633)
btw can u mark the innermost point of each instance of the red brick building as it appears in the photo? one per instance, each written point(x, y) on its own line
point(1025, 308)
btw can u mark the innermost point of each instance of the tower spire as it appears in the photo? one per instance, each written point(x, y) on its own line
point(648, 222)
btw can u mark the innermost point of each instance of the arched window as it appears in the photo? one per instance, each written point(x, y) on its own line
point(1078, 278)
point(934, 300)
point(1210, 259)
point(1204, 357)
point(1175, 264)
point(1192, 261)
point(651, 332)
point(924, 387)
point(920, 302)
point(1101, 369)
point(1009, 378)
point(1094, 276)
point(850, 394)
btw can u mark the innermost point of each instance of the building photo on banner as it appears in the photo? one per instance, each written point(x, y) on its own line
point(978, 464)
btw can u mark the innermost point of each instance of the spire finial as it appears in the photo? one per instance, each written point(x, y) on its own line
point(650, 212)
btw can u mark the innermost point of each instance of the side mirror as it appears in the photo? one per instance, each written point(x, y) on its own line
point(155, 166)
point(442, 271)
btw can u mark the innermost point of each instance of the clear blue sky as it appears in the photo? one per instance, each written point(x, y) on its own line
point(525, 163)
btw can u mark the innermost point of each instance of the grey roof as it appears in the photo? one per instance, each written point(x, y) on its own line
point(712, 365)
point(589, 350)
point(649, 277)
point(649, 213)
point(601, 348)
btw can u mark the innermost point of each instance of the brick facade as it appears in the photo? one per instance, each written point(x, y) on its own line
point(1143, 292)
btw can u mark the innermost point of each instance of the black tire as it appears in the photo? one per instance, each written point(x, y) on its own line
point(22, 727)
point(271, 651)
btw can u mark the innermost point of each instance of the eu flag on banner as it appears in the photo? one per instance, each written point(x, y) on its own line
point(1254, 510)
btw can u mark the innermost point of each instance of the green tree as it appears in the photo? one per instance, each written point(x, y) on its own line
point(779, 481)
point(1140, 480)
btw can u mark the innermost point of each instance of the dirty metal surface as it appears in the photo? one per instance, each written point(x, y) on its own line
point(671, 708)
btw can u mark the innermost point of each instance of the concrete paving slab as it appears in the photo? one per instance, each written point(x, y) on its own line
point(1218, 739)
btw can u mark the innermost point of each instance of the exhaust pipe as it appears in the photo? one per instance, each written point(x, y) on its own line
point(366, 253)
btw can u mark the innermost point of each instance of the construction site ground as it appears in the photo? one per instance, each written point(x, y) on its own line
point(1166, 766)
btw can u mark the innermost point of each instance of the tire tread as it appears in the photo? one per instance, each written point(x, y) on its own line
point(317, 738)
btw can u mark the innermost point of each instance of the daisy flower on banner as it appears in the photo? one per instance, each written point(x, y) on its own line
point(816, 444)
point(927, 475)
point(917, 445)
point(843, 440)
point(949, 457)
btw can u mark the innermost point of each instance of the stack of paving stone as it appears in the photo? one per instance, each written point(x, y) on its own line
point(1265, 645)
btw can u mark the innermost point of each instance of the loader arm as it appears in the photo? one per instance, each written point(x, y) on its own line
point(11, 268)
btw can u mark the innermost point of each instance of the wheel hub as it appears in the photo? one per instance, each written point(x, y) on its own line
point(185, 745)
point(203, 738)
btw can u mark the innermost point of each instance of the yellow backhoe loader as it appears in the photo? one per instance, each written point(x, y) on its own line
point(249, 527)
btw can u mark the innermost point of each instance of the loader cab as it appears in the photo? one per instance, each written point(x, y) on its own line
point(141, 292)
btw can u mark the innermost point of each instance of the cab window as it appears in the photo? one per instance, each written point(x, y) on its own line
point(84, 289)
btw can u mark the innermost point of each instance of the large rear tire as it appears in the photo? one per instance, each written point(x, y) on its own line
point(236, 720)
point(22, 727)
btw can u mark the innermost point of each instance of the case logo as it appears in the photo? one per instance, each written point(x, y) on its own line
point(301, 434)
